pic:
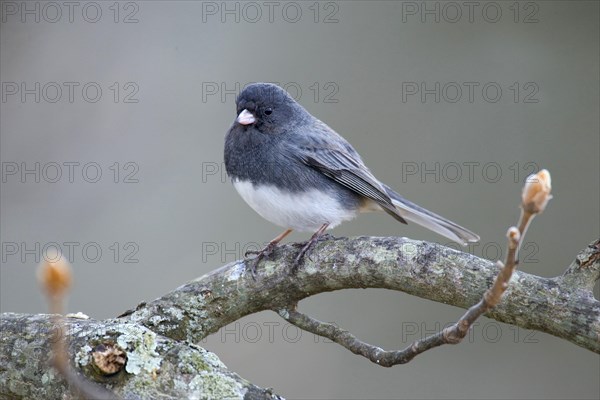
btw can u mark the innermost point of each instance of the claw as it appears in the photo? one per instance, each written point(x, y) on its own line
point(307, 249)
point(265, 252)
point(260, 254)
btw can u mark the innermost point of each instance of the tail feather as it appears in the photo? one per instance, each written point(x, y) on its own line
point(438, 224)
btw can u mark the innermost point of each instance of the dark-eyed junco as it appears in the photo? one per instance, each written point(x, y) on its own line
point(298, 173)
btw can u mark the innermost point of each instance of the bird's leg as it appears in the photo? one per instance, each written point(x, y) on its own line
point(260, 254)
point(308, 246)
point(269, 247)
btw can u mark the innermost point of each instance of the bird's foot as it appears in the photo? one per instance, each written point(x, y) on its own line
point(260, 254)
point(308, 247)
point(264, 252)
point(304, 252)
point(322, 238)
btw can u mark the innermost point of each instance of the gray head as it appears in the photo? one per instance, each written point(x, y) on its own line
point(269, 109)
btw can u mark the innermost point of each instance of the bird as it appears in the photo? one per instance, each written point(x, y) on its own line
point(298, 173)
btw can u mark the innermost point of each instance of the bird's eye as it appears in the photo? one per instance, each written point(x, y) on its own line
point(268, 111)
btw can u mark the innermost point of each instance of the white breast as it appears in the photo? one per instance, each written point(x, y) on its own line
point(305, 212)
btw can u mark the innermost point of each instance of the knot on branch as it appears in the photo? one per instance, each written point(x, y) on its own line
point(108, 358)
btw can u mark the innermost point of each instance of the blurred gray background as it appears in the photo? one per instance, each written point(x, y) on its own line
point(451, 106)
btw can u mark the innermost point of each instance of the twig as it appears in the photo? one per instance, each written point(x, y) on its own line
point(55, 278)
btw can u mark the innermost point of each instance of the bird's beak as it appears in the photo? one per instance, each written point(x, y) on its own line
point(246, 118)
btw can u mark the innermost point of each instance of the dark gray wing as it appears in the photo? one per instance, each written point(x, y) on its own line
point(335, 158)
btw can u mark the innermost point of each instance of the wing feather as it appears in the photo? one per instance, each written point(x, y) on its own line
point(340, 162)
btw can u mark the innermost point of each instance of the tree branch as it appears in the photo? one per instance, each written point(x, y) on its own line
point(561, 306)
point(156, 367)
point(156, 335)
